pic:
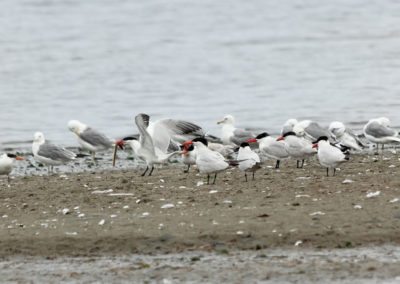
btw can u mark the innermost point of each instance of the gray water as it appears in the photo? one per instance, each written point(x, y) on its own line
point(104, 61)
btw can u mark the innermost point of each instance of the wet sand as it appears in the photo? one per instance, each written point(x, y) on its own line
point(118, 212)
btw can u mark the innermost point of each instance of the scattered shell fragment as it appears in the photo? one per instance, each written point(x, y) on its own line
point(81, 215)
point(144, 214)
point(65, 211)
point(347, 181)
point(213, 191)
point(239, 233)
point(167, 206)
point(373, 194)
point(102, 221)
point(299, 242)
point(102, 191)
point(394, 200)
point(121, 194)
point(317, 213)
point(200, 183)
point(302, 195)
point(71, 233)
point(357, 206)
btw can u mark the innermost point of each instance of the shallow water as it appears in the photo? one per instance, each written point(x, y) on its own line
point(362, 265)
point(103, 61)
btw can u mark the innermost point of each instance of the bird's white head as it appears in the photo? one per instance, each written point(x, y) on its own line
point(76, 126)
point(291, 122)
point(228, 119)
point(337, 129)
point(38, 137)
point(299, 130)
point(384, 121)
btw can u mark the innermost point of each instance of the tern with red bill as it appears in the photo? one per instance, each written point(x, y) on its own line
point(89, 138)
point(378, 131)
point(6, 164)
point(271, 148)
point(329, 156)
point(298, 148)
point(208, 161)
point(249, 161)
point(188, 155)
point(232, 135)
point(145, 149)
point(50, 154)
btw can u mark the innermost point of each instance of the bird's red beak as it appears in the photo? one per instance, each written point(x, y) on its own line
point(315, 146)
point(186, 146)
point(120, 143)
point(280, 138)
point(19, 158)
point(252, 140)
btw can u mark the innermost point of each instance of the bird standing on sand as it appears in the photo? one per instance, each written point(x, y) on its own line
point(50, 154)
point(298, 148)
point(378, 131)
point(345, 136)
point(89, 138)
point(232, 135)
point(208, 161)
point(248, 160)
point(270, 147)
point(6, 164)
point(188, 155)
point(145, 149)
point(329, 156)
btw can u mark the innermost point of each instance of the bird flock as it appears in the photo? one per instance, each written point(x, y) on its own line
point(159, 141)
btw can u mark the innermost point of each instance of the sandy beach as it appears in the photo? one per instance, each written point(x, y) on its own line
point(120, 212)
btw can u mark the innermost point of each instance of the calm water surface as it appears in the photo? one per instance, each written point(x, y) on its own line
point(104, 61)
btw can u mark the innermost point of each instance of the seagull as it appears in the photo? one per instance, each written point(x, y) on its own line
point(249, 161)
point(270, 147)
point(208, 161)
point(6, 164)
point(89, 138)
point(329, 156)
point(50, 154)
point(232, 135)
point(288, 126)
point(298, 148)
point(345, 136)
point(145, 148)
point(378, 131)
point(310, 129)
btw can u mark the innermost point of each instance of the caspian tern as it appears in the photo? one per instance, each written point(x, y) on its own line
point(89, 138)
point(208, 161)
point(145, 148)
point(188, 155)
point(310, 130)
point(249, 161)
point(50, 154)
point(271, 147)
point(345, 136)
point(6, 164)
point(232, 135)
point(378, 131)
point(329, 156)
point(298, 148)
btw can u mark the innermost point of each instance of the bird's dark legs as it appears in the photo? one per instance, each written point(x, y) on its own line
point(215, 177)
point(93, 156)
point(253, 175)
point(8, 179)
point(327, 172)
point(302, 163)
point(152, 168)
point(297, 164)
point(383, 146)
point(245, 176)
point(208, 179)
point(277, 164)
point(187, 170)
point(147, 168)
point(334, 171)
